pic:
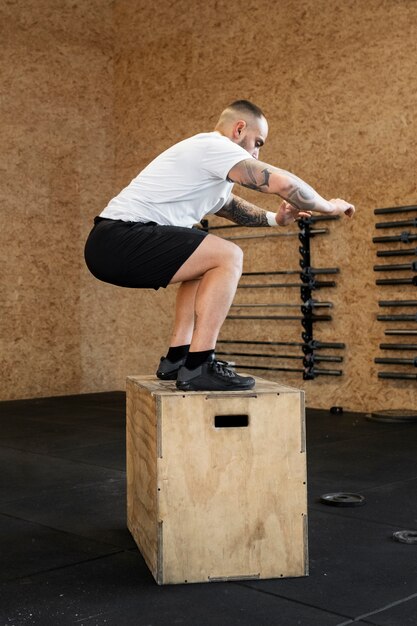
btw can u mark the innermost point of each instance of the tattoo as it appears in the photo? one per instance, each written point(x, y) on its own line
point(301, 195)
point(243, 213)
point(252, 181)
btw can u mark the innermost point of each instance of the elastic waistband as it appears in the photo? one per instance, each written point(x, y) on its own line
point(99, 219)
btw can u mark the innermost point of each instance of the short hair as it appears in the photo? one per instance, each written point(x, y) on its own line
point(245, 106)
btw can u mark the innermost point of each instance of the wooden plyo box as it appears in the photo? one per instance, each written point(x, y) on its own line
point(216, 481)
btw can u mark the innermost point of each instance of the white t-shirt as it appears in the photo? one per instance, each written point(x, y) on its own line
point(180, 186)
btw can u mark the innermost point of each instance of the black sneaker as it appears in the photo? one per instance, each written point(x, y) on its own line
point(167, 369)
point(213, 376)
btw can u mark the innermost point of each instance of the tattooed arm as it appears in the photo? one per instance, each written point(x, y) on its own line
point(269, 179)
point(242, 212)
point(245, 213)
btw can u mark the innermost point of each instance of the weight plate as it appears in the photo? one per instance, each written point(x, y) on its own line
point(393, 415)
point(405, 536)
point(343, 499)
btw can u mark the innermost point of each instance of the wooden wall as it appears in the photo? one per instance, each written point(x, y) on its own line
point(56, 163)
point(336, 80)
point(94, 92)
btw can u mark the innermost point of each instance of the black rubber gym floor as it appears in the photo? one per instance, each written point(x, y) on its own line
point(67, 557)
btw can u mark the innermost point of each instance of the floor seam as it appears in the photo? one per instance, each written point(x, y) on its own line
point(353, 517)
point(62, 530)
point(350, 439)
point(276, 595)
point(381, 610)
point(61, 567)
point(73, 462)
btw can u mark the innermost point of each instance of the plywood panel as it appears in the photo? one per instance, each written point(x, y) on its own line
point(141, 471)
point(342, 105)
point(87, 104)
point(230, 502)
point(56, 161)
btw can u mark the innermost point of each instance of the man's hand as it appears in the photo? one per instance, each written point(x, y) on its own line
point(287, 214)
point(340, 207)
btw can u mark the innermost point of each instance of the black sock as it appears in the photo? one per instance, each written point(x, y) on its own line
point(195, 359)
point(177, 352)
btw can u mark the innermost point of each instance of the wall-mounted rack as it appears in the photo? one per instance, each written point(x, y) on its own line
point(309, 282)
point(405, 283)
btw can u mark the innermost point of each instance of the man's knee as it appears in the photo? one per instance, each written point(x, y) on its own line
point(235, 258)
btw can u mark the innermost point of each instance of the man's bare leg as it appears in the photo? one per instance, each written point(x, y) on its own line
point(184, 314)
point(218, 266)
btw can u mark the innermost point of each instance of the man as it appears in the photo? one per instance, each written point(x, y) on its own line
point(144, 237)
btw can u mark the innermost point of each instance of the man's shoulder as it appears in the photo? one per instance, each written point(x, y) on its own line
point(212, 141)
point(207, 138)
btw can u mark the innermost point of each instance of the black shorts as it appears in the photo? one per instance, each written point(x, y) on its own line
point(133, 254)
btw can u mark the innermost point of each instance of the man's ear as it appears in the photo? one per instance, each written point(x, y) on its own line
point(238, 128)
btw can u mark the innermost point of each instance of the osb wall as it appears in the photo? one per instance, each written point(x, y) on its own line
point(336, 80)
point(56, 166)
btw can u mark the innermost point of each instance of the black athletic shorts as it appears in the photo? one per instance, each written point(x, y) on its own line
point(136, 254)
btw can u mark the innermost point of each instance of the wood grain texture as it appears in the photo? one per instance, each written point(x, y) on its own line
point(230, 502)
point(142, 417)
point(87, 103)
point(56, 150)
point(337, 82)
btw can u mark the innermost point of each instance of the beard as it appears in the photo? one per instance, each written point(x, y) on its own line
point(243, 143)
